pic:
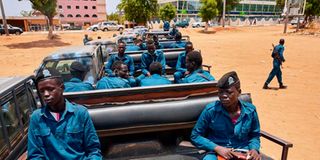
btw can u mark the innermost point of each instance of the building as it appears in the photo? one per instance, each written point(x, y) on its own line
point(245, 8)
point(81, 12)
point(35, 23)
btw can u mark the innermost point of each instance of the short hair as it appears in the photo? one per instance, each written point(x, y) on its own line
point(195, 56)
point(117, 65)
point(281, 41)
point(188, 43)
point(178, 36)
point(150, 42)
point(155, 68)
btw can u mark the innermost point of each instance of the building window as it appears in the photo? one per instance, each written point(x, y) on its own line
point(93, 7)
point(77, 7)
point(85, 7)
point(69, 15)
point(61, 15)
point(78, 15)
point(60, 7)
point(94, 15)
point(69, 7)
point(86, 15)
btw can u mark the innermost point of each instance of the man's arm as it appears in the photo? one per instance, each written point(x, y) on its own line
point(178, 66)
point(108, 65)
point(144, 65)
point(163, 63)
point(91, 140)
point(199, 130)
point(35, 151)
point(254, 135)
point(281, 49)
point(131, 66)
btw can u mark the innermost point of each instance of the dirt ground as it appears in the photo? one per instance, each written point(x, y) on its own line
point(292, 114)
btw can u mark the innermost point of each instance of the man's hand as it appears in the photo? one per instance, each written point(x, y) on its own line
point(148, 74)
point(186, 73)
point(224, 152)
point(253, 155)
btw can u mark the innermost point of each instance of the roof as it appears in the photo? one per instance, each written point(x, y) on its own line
point(7, 82)
point(72, 52)
point(100, 41)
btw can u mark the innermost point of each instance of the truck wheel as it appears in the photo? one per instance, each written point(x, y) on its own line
point(17, 33)
point(120, 29)
point(94, 29)
point(105, 29)
point(198, 25)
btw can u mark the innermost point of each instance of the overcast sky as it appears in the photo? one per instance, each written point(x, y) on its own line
point(14, 7)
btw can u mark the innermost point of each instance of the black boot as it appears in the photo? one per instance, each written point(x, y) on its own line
point(265, 86)
point(281, 86)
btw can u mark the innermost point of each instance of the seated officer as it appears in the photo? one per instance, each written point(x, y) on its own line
point(152, 55)
point(121, 56)
point(173, 31)
point(228, 123)
point(136, 46)
point(178, 43)
point(194, 67)
point(181, 69)
point(78, 72)
point(156, 42)
point(166, 26)
point(118, 79)
point(156, 76)
point(60, 129)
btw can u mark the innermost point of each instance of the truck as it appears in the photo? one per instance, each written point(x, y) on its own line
point(106, 26)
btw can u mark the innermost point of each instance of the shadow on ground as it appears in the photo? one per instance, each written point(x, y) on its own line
point(56, 42)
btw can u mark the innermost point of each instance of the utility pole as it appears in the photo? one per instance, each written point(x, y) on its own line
point(4, 19)
point(286, 9)
point(224, 13)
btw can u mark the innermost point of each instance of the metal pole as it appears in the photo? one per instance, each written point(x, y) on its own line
point(298, 24)
point(224, 12)
point(286, 6)
point(4, 19)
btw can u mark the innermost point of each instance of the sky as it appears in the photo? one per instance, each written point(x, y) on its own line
point(14, 7)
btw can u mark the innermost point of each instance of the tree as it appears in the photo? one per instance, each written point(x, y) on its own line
point(115, 17)
point(208, 10)
point(139, 11)
point(230, 4)
point(168, 12)
point(47, 8)
point(26, 13)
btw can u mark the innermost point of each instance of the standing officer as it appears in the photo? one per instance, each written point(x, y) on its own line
point(166, 26)
point(278, 58)
point(60, 129)
point(228, 124)
point(194, 67)
point(78, 72)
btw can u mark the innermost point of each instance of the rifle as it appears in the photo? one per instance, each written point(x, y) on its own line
point(275, 54)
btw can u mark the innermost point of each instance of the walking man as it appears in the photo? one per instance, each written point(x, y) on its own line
point(278, 59)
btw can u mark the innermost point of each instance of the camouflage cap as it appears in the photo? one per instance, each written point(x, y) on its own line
point(77, 67)
point(228, 80)
point(48, 73)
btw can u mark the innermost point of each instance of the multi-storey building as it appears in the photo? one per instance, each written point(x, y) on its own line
point(245, 8)
point(81, 12)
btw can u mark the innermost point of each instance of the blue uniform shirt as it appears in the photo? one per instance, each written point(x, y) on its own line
point(280, 49)
point(173, 32)
point(181, 62)
point(214, 127)
point(147, 59)
point(126, 59)
point(72, 137)
point(154, 80)
point(75, 85)
point(112, 82)
point(132, 48)
point(166, 26)
point(178, 44)
point(198, 75)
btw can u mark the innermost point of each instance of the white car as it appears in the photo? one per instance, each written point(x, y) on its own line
point(106, 26)
point(295, 21)
point(198, 24)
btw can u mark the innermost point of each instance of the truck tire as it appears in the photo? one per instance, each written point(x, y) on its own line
point(17, 32)
point(120, 29)
point(95, 29)
point(105, 29)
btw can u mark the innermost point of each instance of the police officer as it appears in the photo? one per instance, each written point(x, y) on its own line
point(78, 72)
point(178, 43)
point(166, 26)
point(60, 129)
point(181, 69)
point(194, 67)
point(85, 39)
point(278, 59)
point(228, 123)
point(156, 77)
point(119, 78)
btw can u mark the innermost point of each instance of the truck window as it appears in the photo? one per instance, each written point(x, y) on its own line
point(11, 120)
point(2, 142)
point(24, 108)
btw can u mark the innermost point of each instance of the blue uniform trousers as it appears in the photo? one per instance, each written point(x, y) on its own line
point(276, 71)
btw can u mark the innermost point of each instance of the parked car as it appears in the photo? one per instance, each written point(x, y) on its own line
point(183, 24)
point(198, 24)
point(12, 30)
point(294, 21)
point(106, 26)
point(17, 102)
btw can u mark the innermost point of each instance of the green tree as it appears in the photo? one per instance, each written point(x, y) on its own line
point(208, 10)
point(230, 4)
point(115, 17)
point(48, 9)
point(167, 12)
point(312, 9)
point(139, 11)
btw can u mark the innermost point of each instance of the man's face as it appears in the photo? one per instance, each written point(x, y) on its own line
point(121, 48)
point(189, 48)
point(189, 65)
point(229, 97)
point(151, 48)
point(51, 92)
point(123, 72)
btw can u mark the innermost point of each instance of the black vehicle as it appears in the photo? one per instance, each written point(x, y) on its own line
point(17, 102)
point(12, 30)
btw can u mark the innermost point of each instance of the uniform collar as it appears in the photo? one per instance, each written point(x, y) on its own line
point(74, 79)
point(156, 75)
point(124, 56)
point(69, 108)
